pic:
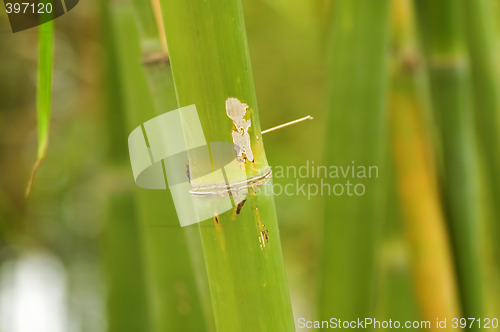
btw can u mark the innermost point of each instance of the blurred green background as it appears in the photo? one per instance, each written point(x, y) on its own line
point(75, 255)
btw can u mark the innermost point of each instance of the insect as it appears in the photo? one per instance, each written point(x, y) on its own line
point(236, 110)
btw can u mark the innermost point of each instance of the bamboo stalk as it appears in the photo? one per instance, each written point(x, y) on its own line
point(356, 127)
point(210, 63)
point(155, 54)
point(127, 307)
point(174, 296)
point(483, 47)
point(432, 260)
point(396, 297)
point(442, 28)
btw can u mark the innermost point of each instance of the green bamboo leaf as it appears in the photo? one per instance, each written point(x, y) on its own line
point(44, 92)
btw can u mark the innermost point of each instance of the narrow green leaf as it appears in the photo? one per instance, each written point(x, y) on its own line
point(44, 92)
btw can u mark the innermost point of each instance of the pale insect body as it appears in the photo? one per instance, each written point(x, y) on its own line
point(236, 111)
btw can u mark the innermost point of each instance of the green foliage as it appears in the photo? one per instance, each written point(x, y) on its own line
point(384, 254)
point(44, 92)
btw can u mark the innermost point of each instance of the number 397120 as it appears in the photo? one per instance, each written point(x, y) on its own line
point(26, 7)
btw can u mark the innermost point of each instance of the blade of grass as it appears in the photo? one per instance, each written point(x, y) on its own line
point(442, 28)
point(210, 63)
point(44, 93)
point(356, 126)
point(432, 260)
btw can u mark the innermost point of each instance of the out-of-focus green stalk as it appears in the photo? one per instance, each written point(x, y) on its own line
point(128, 309)
point(356, 129)
point(396, 297)
point(175, 301)
point(483, 46)
point(155, 55)
point(484, 49)
point(210, 63)
point(432, 260)
point(443, 32)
